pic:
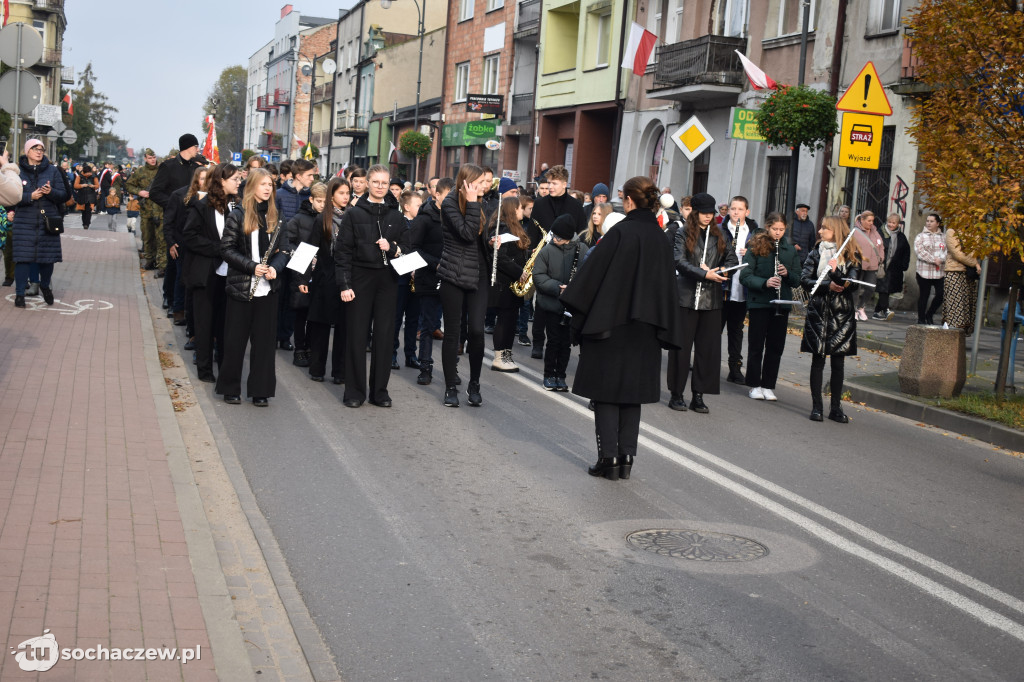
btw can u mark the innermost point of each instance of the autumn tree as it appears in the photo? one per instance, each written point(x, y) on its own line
point(226, 102)
point(93, 114)
point(970, 129)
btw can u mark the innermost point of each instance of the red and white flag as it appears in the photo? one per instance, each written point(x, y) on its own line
point(67, 98)
point(638, 49)
point(758, 78)
point(210, 150)
point(7, 11)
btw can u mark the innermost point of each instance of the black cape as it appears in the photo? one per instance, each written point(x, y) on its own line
point(628, 277)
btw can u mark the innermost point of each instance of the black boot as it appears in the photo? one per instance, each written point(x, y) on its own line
point(816, 378)
point(451, 396)
point(677, 402)
point(426, 373)
point(473, 391)
point(735, 375)
point(836, 413)
point(625, 466)
point(300, 358)
point(697, 404)
point(607, 467)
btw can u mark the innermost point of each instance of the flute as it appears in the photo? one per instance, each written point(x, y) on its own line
point(703, 257)
point(824, 273)
point(497, 245)
point(383, 254)
point(263, 261)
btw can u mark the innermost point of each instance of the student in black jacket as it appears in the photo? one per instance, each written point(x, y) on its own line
point(325, 307)
point(205, 272)
point(174, 224)
point(512, 258)
point(252, 248)
point(372, 232)
point(304, 226)
point(464, 272)
point(426, 239)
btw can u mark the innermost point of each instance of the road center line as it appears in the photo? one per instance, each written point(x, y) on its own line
point(951, 597)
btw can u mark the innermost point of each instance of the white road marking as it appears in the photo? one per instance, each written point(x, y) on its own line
point(63, 307)
point(812, 527)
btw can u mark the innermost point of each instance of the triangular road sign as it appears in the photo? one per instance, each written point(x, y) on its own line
point(866, 94)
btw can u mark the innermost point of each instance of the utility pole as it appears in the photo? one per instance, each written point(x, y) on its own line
point(794, 162)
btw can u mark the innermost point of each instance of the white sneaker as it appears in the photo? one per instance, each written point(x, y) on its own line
point(503, 361)
point(769, 394)
point(757, 394)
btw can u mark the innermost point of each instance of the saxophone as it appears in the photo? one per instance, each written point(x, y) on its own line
point(525, 290)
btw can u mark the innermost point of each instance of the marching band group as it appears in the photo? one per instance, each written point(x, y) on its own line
point(623, 290)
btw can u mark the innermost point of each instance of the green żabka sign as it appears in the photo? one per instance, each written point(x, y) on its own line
point(744, 125)
point(468, 134)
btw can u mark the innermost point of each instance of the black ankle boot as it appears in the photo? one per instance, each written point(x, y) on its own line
point(607, 467)
point(836, 414)
point(625, 466)
point(677, 403)
point(816, 412)
point(451, 396)
point(735, 375)
point(426, 373)
point(697, 404)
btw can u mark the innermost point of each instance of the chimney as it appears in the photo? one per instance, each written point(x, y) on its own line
point(285, 11)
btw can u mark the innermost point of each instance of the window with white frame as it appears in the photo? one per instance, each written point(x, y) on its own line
point(491, 74)
point(41, 27)
point(466, 9)
point(495, 4)
point(602, 39)
point(731, 18)
point(461, 81)
point(885, 16)
point(790, 18)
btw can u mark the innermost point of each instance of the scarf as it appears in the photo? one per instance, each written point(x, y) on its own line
point(828, 251)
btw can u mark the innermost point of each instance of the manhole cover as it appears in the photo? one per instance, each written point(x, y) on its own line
point(697, 545)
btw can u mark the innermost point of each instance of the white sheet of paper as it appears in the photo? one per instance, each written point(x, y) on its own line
point(302, 257)
point(508, 237)
point(407, 263)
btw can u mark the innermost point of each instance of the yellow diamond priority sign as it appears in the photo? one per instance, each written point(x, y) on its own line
point(692, 138)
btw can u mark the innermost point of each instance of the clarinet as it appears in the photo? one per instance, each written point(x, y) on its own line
point(778, 294)
point(265, 259)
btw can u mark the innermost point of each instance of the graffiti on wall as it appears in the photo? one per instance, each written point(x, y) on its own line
point(899, 200)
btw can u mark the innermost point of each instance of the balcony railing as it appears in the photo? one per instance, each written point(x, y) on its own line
point(527, 16)
point(910, 61)
point(282, 97)
point(265, 103)
point(270, 141)
point(50, 57)
point(522, 108)
point(53, 5)
point(348, 123)
point(67, 74)
point(324, 91)
point(705, 60)
point(322, 138)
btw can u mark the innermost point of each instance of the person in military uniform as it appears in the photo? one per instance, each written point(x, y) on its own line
point(151, 212)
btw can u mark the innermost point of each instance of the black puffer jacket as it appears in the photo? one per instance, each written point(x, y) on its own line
point(427, 238)
point(305, 226)
point(511, 260)
point(236, 249)
point(361, 226)
point(463, 260)
point(830, 327)
point(553, 268)
point(324, 295)
point(689, 272)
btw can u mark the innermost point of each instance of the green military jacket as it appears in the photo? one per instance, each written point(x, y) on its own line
point(140, 180)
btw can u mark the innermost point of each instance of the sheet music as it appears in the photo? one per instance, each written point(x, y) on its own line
point(405, 264)
point(302, 257)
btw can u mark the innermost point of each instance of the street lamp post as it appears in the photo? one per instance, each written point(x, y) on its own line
point(420, 31)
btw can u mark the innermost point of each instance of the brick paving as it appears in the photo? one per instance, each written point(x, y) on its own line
point(92, 545)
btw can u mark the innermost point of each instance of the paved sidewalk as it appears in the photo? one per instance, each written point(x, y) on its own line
point(92, 542)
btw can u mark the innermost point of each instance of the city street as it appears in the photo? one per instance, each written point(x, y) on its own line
point(434, 543)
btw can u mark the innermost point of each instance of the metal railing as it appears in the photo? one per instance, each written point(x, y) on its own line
point(348, 120)
point(528, 15)
point(323, 91)
point(522, 108)
point(67, 74)
point(706, 60)
point(322, 138)
point(282, 97)
point(50, 57)
point(50, 4)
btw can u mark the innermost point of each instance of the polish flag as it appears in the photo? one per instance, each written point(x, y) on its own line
point(7, 11)
point(638, 49)
point(210, 150)
point(758, 78)
point(67, 98)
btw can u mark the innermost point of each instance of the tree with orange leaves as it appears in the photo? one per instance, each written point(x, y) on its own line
point(970, 129)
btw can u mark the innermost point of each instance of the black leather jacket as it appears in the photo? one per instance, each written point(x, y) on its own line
point(689, 272)
point(236, 249)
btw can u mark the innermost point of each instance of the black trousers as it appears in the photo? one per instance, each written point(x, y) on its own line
point(376, 295)
point(208, 306)
point(766, 340)
point(817, 374)
point(702, 335)
point(171, 277)
point(557, 350)
point(926, 286)
point(285, 314)
point(456, 302)
point(407, 306)
point(254, 323)
point(319, 340)
point(733, 313)
point(301, 329)
point(505, 325)
point(617, 428)
point(430, 309)
point(539, 324)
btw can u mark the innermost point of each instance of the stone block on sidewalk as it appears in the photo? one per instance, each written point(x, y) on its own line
point(934, 362)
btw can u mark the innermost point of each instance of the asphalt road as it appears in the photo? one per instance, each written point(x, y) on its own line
point(468, 544)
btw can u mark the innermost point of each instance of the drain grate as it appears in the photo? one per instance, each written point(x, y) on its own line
point(697, 545)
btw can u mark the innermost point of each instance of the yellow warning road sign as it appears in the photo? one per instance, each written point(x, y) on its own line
point(692, 138)
point(866, 94)
point(860, 141)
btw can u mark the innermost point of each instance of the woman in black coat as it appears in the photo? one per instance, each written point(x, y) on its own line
point(897, 260)
point(305, 226)
point(174, 226)
point(465, 273)
point(371, 234)
point(701, 250)
point(325, 308)
point(512, 257)
point(42, 191)
point(624, 312)
point(252, 249)
point(205, 272)
point(830, 326)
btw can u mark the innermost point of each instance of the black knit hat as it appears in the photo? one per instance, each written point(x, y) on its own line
point(702, 202)
point(187, 141)
point(564, 227)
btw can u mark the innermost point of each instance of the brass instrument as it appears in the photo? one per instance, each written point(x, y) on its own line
point(524, 290)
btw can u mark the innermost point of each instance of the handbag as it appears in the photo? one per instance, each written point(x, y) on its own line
point(53, 226)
